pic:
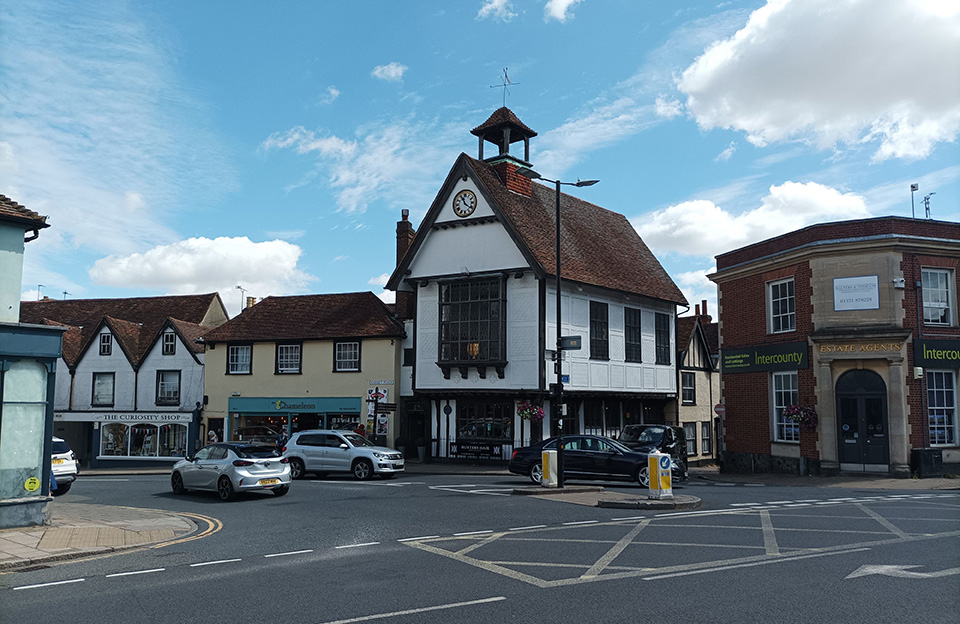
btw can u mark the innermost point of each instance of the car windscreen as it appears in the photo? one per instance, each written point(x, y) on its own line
point(357, 440)
point(641, 434)
point(60, 447)
point(256, 452)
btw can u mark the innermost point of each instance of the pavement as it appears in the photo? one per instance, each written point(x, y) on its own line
point(78, 530)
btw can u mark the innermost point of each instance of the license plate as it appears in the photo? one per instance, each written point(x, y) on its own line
point(400, 465)
point(56, 461)
point(269, 481)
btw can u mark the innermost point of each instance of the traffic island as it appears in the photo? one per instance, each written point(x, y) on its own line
point(681, 501)
point(595, 496)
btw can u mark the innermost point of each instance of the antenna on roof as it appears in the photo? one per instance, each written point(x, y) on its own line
point(65, 293)
point(243, 293)
point(505, 84)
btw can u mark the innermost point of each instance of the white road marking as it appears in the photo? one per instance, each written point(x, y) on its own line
point(841, 499)
point(769, 535)
point(779, 502)
point(452, 605)
point(79, 580)
point(631, 518)
point(471, 533)
point(580, 522)
point(809, 500)
point(828, 503)
point(754, 485)
point(744, 504)
point(901, 571)
point(414, 539)
point(292, 552)
point(752, 564)
point(798, 505)
point(99, 480)
point(137, 572)
point(358, 545)
point(534, 526)
point(206, 563)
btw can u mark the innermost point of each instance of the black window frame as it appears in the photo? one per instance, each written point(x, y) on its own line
point(93, 390)
point(336, 359)
point(233, 345)
point(599, 330)
point(662, 332)
point(633, 335)
point(106, 343)
point(688, 395)
point(168, 402)
point(472, 312)
point(168, 347)
point(276, 357)
point(691, 439)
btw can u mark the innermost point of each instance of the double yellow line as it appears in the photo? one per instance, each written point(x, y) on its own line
point(213, 525)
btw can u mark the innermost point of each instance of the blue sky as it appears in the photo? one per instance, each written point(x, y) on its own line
point(186, 147)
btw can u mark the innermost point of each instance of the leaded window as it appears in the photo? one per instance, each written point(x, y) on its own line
point(472, 317)
point(485, 421)
point(632, 337)
point(662, 330)
point(599, 331)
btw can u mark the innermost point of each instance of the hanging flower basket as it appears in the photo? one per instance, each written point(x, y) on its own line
point(805, 415)
point(529, 411)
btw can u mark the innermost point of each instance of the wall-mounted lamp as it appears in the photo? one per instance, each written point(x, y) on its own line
point(918, 372)
point(898, 282)
point(473, 349)
point(235, 394)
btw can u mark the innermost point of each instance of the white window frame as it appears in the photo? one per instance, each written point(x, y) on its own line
point(785, 390)
point(169, 346)
point(691, 388)
point(706, 438)
point(106, 344)
point(237, 362)
point(781, 322)
point(346, 356)
point(113, 390)
point(942, 407)
point(937, 296)
point(168, 387)
point(288, 359)
point(688, 429)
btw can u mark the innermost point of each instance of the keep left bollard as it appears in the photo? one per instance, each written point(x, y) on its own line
point(661, 481)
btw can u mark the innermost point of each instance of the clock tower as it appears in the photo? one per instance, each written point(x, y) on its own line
point(503, 128)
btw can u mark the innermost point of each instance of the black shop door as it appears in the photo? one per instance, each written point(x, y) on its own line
point(862, 436)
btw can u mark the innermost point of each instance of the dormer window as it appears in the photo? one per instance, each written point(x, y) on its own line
point(106, 344)
point(169, 343)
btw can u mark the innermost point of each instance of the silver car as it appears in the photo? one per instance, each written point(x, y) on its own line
point(321, 451)
point(63, 464)
point(230, 467)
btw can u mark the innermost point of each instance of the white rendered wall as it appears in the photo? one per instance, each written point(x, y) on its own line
point(11, 272)
point(191, 378)
point(93, 362)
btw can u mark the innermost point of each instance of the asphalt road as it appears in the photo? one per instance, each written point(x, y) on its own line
point(454, 548)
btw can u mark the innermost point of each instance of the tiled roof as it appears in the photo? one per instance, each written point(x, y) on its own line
point(311, 317)
point(190, 333)
point(11, 211)
point(711, 332)
point(685, 327)
point(599, 246)
point(135, 321)
point(501, 116)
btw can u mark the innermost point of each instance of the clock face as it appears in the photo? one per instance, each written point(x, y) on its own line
point(464, 203)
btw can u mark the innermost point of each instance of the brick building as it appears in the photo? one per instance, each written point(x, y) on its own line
point(854, 322)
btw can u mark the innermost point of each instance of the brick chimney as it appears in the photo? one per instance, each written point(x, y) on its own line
point(515, 182)
point(702, 311)
point(405, 304)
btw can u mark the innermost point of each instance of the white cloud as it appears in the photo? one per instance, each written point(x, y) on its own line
point(696, 288)
point(285, 234)
point(379, 280)
point(391, 72)
point(200, 265)
point(727, 153)
point(668, 108)
point(877, 71)
point(340, 258)
point(559, 10)
point(330, 95)
point(497, 9)
point(703, 229)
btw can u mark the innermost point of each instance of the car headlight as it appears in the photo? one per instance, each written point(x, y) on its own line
point(379, 455)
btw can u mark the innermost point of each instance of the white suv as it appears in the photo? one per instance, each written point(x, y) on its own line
point(326, 450)
point(63, 463)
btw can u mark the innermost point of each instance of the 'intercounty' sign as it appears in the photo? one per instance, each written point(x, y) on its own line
point(781, 357)
point(936, 353)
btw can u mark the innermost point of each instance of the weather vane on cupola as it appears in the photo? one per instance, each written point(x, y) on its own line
point(505, 84)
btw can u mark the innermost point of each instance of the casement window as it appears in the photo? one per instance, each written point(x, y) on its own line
point(168, 387)
point(706, 437)
point(662, 330)
point(472, 321)
point(688, 383)
point(781, 306)
point(785, 392)
point(942, 407)
point(239, 359)
point(346, 357)
point(106, 344)
point(169, 343)
point(288, 359)
point(102, 390)
point(690, 432)
point(599, 331)
point(937, 296)
point(632, 338)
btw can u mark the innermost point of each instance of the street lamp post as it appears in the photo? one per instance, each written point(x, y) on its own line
point(530, 173)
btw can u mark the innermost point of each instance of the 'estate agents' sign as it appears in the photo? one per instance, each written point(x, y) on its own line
point(781, 357)
point(856, 293)
point(936, 353)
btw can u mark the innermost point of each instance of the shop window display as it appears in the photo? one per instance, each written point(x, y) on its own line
point(113, 439)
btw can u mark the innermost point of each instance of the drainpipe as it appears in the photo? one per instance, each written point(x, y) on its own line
point(925, 423)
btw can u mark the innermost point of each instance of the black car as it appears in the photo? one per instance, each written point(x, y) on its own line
point(584, 457)
point(661, 438)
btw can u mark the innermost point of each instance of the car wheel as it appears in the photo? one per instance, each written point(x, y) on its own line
point(62, 488)
point(280, 491)
point(176, 483)
point(225, 489)
point(536, 473)
point(643, 477)
point(363, 469)
point(296, 468)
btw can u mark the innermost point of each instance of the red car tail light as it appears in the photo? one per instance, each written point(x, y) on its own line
point(285, 460)
point(242, 462)
point(514, 455)
point(284, 449)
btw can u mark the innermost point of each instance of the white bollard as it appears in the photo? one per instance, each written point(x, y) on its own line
point(661, 482)
point(549, 463)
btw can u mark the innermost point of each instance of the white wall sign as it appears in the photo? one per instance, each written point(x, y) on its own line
point(161, 417)
point(856, 293)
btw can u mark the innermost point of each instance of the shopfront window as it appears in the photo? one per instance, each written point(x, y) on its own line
point(114, 439)
point(143, 440)
point(22, 422)
point(173, 440)
point(485, 421)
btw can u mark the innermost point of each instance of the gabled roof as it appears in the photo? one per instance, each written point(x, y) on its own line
point(599, 246)
point(688, 326)
point(135, 322)
point(12, 212)
point(311, 317)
